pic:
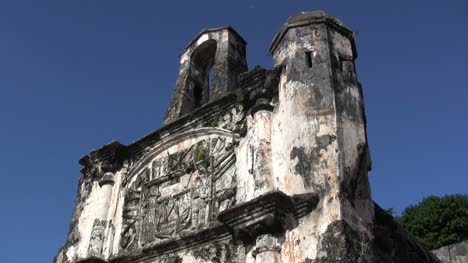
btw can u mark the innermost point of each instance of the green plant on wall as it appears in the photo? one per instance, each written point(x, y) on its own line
point(200, 153)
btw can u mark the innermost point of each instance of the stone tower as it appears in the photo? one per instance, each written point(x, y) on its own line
point(249, 166)
point(221, 50)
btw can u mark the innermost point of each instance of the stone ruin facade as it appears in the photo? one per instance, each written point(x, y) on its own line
point(249, 166)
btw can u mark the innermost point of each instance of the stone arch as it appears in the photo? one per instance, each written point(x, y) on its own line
point(221, 50)
point(201, 62)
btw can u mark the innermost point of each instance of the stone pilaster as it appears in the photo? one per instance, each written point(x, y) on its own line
point(260, 147)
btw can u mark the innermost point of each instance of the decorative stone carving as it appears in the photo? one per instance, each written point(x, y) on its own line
point(231, 119)
point(180, 193)
point(216, 252)
point(97, 238)
point(109, 158)
point(129, 236)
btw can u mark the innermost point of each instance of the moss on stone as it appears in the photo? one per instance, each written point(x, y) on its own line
point(199, 153)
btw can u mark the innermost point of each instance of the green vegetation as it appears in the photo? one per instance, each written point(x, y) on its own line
point(200, 153)
point(437, 221)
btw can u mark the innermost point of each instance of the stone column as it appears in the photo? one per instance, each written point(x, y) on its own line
point(98, 233)
point(106, 184)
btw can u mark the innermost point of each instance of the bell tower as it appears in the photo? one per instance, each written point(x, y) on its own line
point(209, 68)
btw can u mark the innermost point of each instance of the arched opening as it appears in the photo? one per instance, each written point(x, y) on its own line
point(201, 72)
point(197, 96)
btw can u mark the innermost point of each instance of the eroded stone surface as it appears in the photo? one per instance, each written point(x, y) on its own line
point(257, 166)
point(456, 253)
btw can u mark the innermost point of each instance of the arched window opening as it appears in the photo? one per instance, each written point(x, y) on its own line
point(201, 71)
point(197, 96)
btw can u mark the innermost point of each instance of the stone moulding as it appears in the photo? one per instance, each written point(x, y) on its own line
point(171, 140)
point(271, 213)
point(309, 18)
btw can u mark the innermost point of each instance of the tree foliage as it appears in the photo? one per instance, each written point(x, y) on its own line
point(437, 221)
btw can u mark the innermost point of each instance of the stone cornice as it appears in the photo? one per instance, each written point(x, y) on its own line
point(273, 212)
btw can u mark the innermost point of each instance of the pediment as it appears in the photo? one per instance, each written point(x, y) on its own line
point(179, 187)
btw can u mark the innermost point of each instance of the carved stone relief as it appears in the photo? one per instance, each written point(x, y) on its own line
point(130, 217)
point(231, 119)
point(180, 193)
point(97, 237)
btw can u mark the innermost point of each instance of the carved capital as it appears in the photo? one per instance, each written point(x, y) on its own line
point(108, 159)
point(108, 178)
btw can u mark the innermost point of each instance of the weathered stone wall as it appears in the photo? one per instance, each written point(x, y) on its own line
point(456, 253)
point(258, 166)
point(162, 194)
point(320, 143)
point(222, 50)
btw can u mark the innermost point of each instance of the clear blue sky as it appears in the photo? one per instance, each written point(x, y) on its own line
point(77, 74)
